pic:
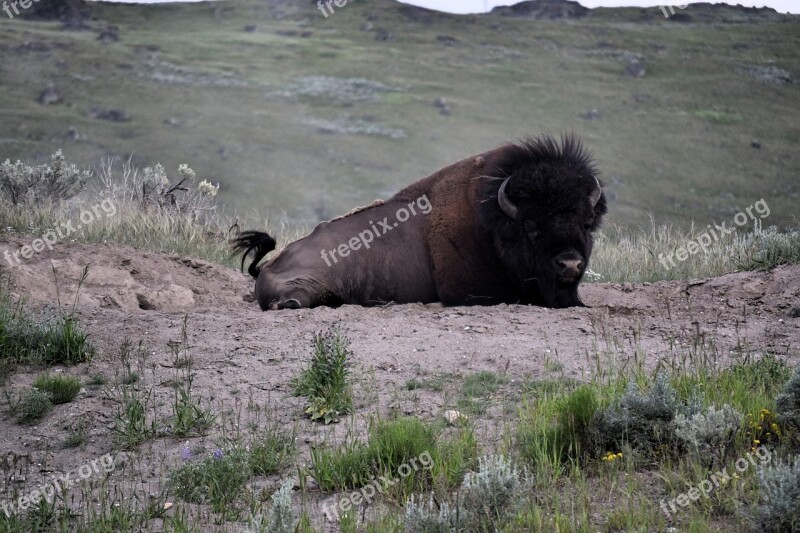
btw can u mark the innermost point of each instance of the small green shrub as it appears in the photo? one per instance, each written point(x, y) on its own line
point(62, 389)
point(281, 517)
point(769, 248)
point(42, 340)
point(567, 437)
point(640, 419)
point(32, 406)
point(98, 379)
point(390, 444)
point(787, 405)
point(134, 415)
point(491, 494)
point(77, 435)
point(22, 184)
point(271, 451)
point(780, 487)
point(486, 500)
point(425, 516)
point(189, 417)
point(325, 381)
point(710, 435)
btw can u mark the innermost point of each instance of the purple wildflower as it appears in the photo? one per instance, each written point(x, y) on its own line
point(217, 454)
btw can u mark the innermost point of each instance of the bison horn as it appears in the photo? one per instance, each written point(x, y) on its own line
point(595, 196)
point(505, 204)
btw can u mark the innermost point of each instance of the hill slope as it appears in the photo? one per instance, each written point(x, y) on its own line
point(294, 111)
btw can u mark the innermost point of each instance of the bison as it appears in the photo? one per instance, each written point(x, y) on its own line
point(511, 225)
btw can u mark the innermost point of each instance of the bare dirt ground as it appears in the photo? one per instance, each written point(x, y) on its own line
point(243, 355)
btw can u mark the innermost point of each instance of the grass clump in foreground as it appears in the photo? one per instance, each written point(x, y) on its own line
point(476, 391)
point(687, 425)
point(780, 487)
point(325, 381)
point(484, 501)
point(218, 480)
point(31, 406)
point(400, 456)
point(28, 339)
point(62, 389)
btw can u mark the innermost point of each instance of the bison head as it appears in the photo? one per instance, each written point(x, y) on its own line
point(547, 207)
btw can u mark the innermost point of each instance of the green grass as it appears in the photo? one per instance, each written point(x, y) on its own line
point(31, 406)
point(62, 389)
point(476, 391)
point(432, 383)
point(218, 480)
point(394, 448)
point(77, 435)
point(30, 338)
point(272, 450)
point(718, 117)
point(135, 415)
point(189, 416)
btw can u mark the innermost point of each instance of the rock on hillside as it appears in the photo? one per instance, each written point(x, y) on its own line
point(544, 9)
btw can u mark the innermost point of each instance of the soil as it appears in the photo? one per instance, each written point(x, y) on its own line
point(243, 356)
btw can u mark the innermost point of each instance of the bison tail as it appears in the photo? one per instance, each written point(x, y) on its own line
point(257, 242)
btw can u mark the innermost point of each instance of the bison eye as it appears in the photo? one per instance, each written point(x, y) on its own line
point(588, 225)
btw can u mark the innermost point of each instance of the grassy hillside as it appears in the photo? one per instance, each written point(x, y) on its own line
point(291, 111)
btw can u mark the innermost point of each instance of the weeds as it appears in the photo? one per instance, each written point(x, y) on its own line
point(28, 339)
point(32, 406)
point(780, 486)
point(485, 501)
point(218, 480)
point(135, 417)
point(787, 405)
point(271, 451)
point(188, 415)
point(61, 389)
point(418, 448)
point(476, 391)
point(325, 381)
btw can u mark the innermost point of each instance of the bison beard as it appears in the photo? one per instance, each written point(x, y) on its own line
point(512, 225)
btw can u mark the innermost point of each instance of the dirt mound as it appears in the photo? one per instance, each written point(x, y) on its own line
point(122, 278)
point(125, 285)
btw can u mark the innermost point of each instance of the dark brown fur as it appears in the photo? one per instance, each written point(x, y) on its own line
point(465, 251)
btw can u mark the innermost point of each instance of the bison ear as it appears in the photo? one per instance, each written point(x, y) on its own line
point(505, 204)
point(596, 193)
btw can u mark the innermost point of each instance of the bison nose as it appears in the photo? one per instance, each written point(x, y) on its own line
point(569, 267)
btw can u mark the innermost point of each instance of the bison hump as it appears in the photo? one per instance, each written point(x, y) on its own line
point(353, 211)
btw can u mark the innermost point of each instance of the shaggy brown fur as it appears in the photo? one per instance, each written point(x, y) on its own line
point(466, 250)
